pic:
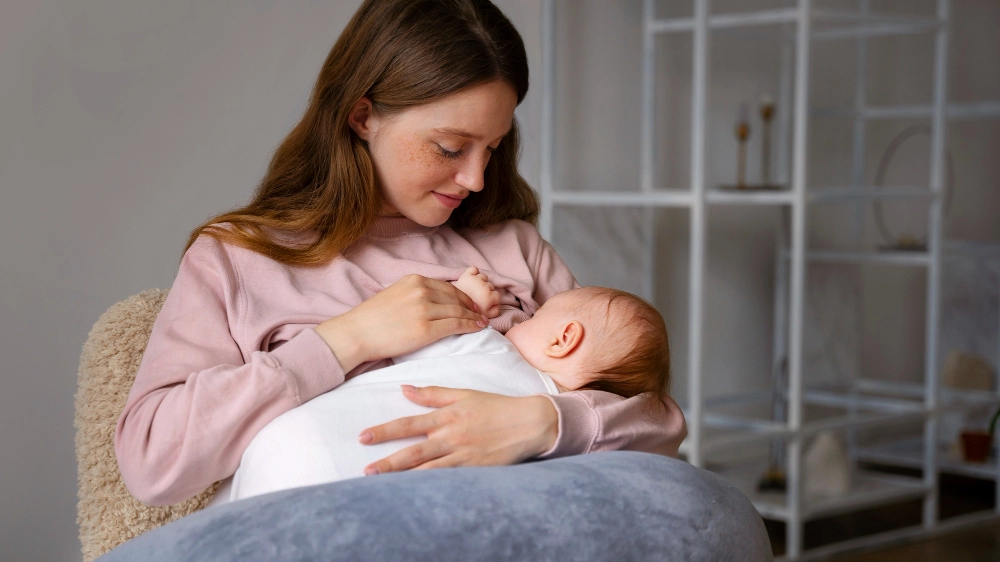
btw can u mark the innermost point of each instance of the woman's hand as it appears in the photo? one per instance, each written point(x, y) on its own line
point(471, 428)
point(403, 317)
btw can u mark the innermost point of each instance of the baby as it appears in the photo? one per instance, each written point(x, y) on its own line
point(592, 338)
point(589, 338)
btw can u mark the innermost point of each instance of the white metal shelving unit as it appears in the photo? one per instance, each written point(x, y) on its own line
point(867, 403)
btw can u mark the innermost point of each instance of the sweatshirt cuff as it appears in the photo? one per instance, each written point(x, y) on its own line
point(578, 425)
point(311, 364)
point(508, 318)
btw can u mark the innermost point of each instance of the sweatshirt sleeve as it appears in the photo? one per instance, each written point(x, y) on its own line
point(196, 402)
point(592, 420)
point(551, 274)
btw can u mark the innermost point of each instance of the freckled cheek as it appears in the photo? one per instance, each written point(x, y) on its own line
point(425, 168)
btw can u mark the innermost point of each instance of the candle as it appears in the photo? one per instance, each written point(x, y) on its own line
point(742, 134)
point(766, 113)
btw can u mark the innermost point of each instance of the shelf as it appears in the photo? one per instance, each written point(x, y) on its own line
point(669, 198)
point(738, 431)
point(953, 111)
point(968, 248)
point(873, 394)
point(916, 259)
point(909, 453)
point(874, 403)
point(913, 259)
point(845, 399)
point(715, 435)
point(683, 197)
point(730, 197)
point(950, 397)
point(856, 25)
point(727, 21)
point(952, 249)
point(868, 489)
point(656, 198)
point(852, 194)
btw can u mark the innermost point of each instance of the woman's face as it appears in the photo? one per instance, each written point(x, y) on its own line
point(429, 157)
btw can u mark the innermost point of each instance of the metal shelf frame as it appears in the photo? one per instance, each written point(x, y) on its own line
point(801, 25)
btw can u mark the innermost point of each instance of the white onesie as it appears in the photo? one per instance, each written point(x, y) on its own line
point(317, 442)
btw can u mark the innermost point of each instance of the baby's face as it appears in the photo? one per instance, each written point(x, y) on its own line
point(533, 336)
point(532, 333)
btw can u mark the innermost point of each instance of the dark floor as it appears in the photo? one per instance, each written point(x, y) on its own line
point(977, 544)
point(958, 496)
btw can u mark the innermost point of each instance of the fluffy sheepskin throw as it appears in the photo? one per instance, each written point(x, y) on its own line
point(106, 513)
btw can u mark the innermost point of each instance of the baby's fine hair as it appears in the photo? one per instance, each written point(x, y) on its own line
point(633, 356)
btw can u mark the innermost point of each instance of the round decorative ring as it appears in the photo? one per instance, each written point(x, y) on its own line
point(891, 240)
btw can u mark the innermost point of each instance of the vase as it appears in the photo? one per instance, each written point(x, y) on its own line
point(976, 445)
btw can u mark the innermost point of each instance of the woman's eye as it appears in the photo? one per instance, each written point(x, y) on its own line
point(448, 153)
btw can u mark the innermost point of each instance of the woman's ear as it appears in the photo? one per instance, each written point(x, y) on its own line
point(566, 341)
point(360, 119)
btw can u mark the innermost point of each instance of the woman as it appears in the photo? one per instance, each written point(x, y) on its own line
point(400, 175)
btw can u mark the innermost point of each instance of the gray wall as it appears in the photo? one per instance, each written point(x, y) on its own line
point(126, 123)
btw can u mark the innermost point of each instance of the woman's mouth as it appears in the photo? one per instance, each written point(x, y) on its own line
point(450, 202)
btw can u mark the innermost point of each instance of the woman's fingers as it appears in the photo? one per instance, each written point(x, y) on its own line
point(473, 428)
point(435, 396)
point(413, 426)
point(442, 311)
point(453, 326)
point(409, 314)
point(401, 428)
point(446, 293)
point(447, 461)
point(405, 459)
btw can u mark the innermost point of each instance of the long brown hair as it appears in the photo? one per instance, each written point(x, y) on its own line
point(399, 54)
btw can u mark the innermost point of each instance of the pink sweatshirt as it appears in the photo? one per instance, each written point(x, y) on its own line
point(234, 347)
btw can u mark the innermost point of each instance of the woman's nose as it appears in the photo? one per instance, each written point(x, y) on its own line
point(471, 175)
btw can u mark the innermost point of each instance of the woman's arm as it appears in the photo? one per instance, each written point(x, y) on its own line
point(195, 402)
point(403, 317)
point(592, 420)
point(469, 428)
point(472, 428)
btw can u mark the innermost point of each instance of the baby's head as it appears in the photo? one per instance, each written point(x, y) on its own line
point(599, 339)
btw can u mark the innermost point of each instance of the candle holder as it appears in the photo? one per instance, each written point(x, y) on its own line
point(742, 136)
point(766, 113)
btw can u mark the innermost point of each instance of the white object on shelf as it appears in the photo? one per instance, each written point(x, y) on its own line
point(868, 489)
point(827, 468)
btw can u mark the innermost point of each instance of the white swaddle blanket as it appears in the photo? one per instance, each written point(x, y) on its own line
point(317, 442)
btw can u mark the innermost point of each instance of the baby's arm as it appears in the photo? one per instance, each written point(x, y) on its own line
point(477, 285)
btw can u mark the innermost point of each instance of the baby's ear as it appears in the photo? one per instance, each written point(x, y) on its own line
point(567, 339)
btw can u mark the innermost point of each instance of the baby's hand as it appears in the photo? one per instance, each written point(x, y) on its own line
point(481, 291)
